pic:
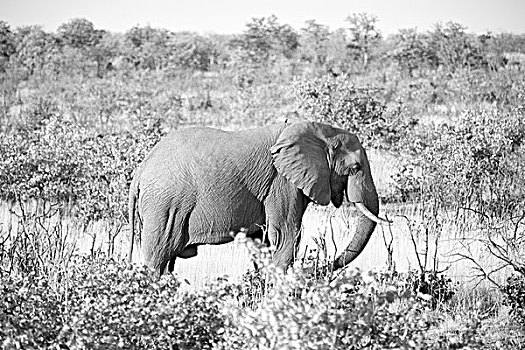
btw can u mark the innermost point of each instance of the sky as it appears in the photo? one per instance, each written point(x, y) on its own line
point(231, 16)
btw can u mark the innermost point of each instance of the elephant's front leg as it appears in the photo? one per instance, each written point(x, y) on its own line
point(285, 207)
point(284, 239)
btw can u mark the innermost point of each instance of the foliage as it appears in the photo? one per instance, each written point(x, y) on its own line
point(105, 304)
point(474, 163)
point(148, 47)
point(82, 46)
point(40, 245)
point(314, 43)
point(79, 33)
point(514, 296)
point(57, 161)
point(359, 110)
point(305, 309)
point(31, 315)
point(453, 48)
point(352, 311)
point(36, 50)
point(338, 101)
point(129, 307)
point(78, 47)
point(412, 52)
point(437, 287)
point(364, 36)
point(265, 40)
point(193, 51)
point(7, 45)
point(102, 303)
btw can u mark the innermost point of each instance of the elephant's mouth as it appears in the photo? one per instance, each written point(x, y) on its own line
point(362, 193)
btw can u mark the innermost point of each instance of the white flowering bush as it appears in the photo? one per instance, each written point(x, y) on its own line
point(53, 160)
point(353, 311)
point(105, 304)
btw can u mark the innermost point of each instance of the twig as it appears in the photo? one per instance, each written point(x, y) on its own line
point(421, 267)
point(388, 246)
point(517, 225)
point(477, 212)
point(483, 274)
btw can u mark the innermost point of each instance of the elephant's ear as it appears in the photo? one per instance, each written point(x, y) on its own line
point(300, 156)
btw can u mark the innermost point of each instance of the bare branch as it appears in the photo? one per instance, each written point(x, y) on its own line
point(483, 275)
point(414, 243)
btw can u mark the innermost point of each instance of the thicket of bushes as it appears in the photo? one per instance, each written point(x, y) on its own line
point(104, 304)
point(475, 162)
point(55, 160)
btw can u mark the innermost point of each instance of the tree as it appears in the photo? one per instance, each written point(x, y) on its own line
point(105, 51)
point(148, 48)
point(265, 40)
point(36, 50)
point(81, 43)
point(336, 52)
point(314, 43)
point(79, 33)
point(364, 36)
point(411, 50)
point(502, 49)
point(454, 48)
point(193, 51)
point(7, 45)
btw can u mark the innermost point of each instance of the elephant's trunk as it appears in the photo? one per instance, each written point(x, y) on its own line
point(362, 192)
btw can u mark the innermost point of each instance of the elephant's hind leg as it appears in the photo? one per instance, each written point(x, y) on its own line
point(158, 245)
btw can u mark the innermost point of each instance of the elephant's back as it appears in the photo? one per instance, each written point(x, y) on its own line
point(204, 136)
point(202, 143)
point(182, 145)
point(195, 153)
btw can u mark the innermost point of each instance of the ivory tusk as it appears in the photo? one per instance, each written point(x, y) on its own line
point(364, 210)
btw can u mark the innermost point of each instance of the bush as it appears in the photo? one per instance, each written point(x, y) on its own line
point(476, 163)
point(116, 306)
point(339, 102)
point(105, 304)
point(31, 313)
point(432, 287)
point(437, 287)
point(50, 159)
point(514, 296)
point(353, 311)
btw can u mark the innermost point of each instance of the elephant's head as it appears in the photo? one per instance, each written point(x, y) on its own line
point(326, 163)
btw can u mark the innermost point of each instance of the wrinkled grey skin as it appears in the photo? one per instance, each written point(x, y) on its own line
point(199, 184)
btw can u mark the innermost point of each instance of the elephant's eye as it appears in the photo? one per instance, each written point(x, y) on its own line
point(354, 169)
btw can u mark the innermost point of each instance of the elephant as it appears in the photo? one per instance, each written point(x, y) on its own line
point(199, 184)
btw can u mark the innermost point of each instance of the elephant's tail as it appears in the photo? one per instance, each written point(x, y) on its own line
point(132, 201)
